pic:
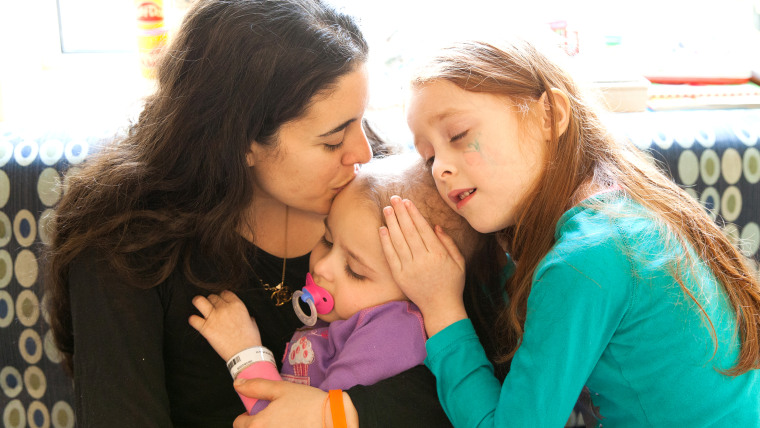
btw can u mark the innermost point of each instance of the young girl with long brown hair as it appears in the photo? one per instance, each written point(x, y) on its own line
point(622, 283)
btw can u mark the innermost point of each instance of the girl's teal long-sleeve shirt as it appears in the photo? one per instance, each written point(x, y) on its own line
point(606, 311)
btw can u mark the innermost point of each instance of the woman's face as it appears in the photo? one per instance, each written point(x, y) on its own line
point(349, 262)
point(318, 154)
point(484, 163)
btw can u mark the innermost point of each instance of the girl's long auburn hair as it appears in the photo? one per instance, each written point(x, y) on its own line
point(174, 190)
point(587, 153)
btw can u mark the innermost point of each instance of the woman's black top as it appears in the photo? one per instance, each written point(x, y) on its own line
point(139, 363)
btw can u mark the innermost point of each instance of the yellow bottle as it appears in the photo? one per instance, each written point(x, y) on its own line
point(150, 14)
point(151, 34)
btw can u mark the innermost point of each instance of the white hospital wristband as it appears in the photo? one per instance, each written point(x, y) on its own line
point(249, 356)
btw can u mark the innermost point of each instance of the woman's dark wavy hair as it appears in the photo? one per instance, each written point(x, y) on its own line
point(175, 188)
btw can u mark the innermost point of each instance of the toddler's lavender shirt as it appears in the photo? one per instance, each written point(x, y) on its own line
point(374, 344)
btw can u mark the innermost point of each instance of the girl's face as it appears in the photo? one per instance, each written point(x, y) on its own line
point(349, 262)
point(482, 161)
point(318, 154)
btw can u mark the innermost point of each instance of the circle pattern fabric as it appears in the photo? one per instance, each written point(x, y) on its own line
point(14, 415)
point(62, 415)
point(25, 228)
point(11, 381)
point(709, 167)
point(750, 239)
point(7, 309)
point(751, 165)
point(731, 203)
point(51, 352)
point(6, 268)
point(34, 389)
point(706, 137)
point(30, 346)
point(49, 186)
point(44, 224)
point(6, 152)
point(26, 268)
point(25, 153)
point(51, 152)
point(5, 188)
point(710, 200)
point(35, 382)
point(731, 165)
point(6, 229)
point(713, 155)
point(688, 167)
point(27, 308)
point(747, 135)
point(76, 151)
point(37, 415)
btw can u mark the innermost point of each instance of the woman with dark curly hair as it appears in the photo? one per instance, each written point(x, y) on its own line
point(221, 184)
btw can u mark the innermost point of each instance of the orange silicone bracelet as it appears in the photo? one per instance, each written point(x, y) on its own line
point(336, 408)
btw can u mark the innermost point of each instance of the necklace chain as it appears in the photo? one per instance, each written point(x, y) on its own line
point(281, 293)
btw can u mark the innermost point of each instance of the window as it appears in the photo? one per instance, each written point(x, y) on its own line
point(615, 39)
point(96, 26)
point(80, 55)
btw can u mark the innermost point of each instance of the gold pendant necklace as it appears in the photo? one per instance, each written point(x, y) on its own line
point(281, 293)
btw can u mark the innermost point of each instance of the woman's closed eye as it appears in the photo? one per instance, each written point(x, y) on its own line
point(325, 242)
point(429, 161)
point(333, 147)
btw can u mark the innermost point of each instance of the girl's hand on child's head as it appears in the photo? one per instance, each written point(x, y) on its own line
point(426, 264)
point(225, 323)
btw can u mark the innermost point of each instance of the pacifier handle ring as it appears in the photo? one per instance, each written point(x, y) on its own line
point(310, 319)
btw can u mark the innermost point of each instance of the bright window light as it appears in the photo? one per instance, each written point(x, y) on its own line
point(97, 26)
point(78, 57)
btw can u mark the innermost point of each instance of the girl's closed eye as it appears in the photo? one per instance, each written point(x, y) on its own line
point(353, 274)
point(427, 152)
point(459, 136)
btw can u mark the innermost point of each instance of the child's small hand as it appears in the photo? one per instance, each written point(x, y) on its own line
point(225, 323)
point(426, 264)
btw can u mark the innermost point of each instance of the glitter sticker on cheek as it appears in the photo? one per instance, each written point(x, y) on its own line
point(472, 155)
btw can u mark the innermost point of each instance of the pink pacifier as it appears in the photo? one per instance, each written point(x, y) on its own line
point(319, 300)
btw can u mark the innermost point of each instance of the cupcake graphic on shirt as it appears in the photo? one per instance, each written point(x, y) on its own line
point(300, 356)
